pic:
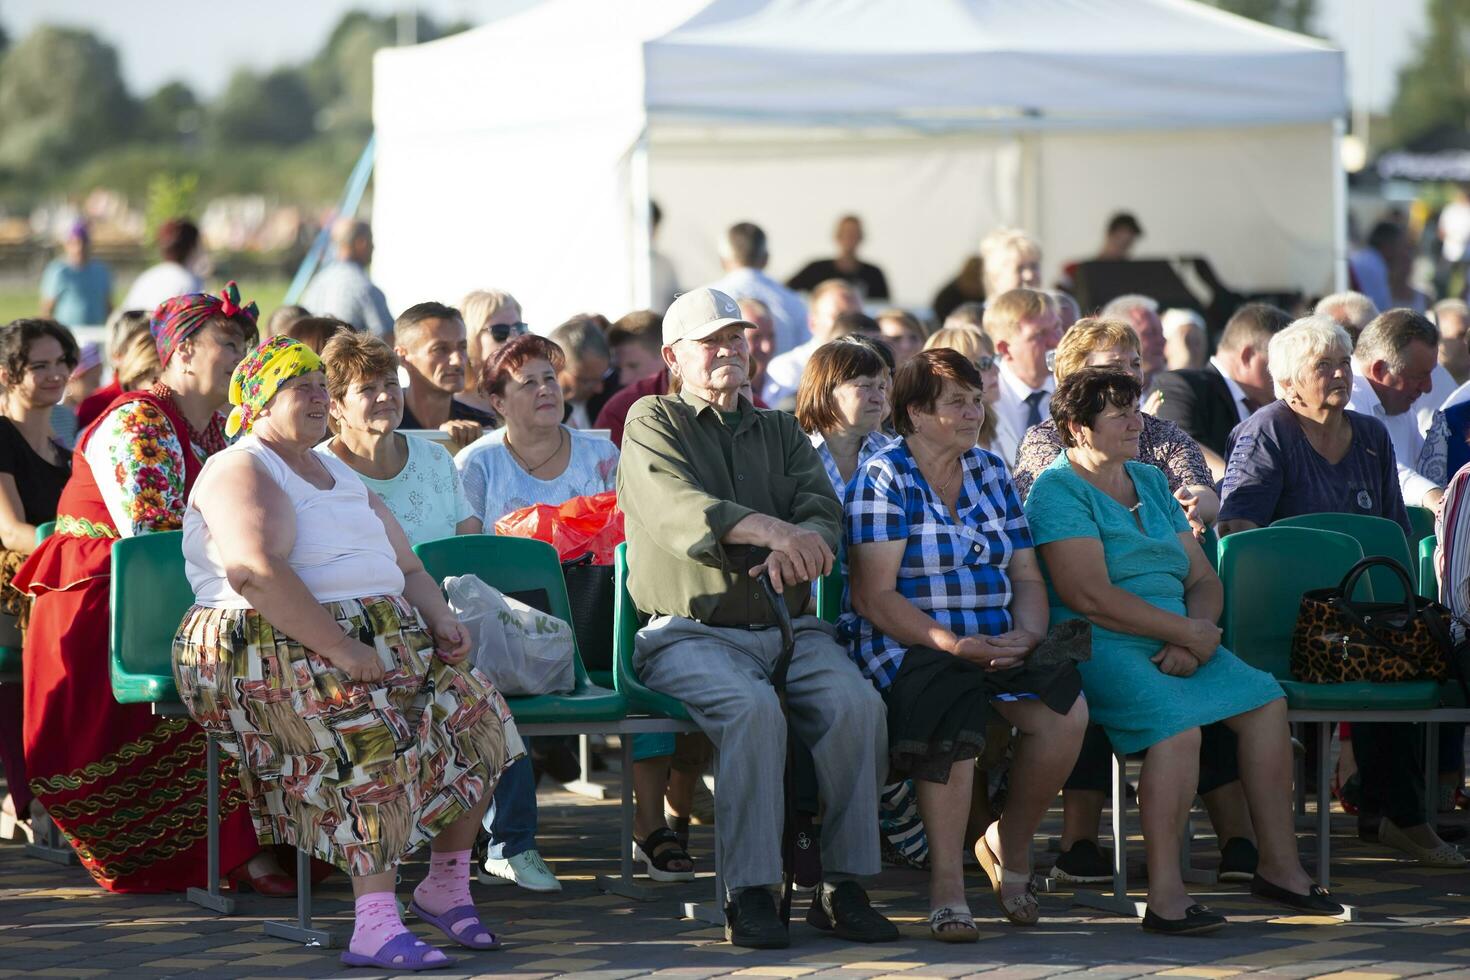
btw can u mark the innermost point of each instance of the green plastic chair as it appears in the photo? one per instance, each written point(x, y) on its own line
point(518, 564)
point(1210, 544)
point(149, 595)
point(1377, 536)
point(626, 622)
point(1421, 519)
point(1428, 578)
point(44, 531)
point(1265, 572)
point(829, 595)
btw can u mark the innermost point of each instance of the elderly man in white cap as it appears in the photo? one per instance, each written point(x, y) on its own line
point(715, 491)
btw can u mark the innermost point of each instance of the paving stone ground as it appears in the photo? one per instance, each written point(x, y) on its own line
point(1412, 922)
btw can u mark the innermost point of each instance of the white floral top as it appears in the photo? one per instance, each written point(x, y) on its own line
point(426, 496)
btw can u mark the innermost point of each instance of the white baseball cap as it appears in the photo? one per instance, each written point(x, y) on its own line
point(700, 313)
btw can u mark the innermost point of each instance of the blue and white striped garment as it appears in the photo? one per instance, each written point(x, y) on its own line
point(955, 571)
point(875, 442)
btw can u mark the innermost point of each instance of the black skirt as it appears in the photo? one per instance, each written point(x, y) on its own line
point(939, 706)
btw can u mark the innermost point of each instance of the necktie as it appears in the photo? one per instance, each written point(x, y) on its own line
point(1033, 408)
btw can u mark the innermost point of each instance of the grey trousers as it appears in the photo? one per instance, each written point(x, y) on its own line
point(724, 677)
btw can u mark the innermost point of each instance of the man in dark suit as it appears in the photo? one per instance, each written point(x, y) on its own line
point(1210, 401)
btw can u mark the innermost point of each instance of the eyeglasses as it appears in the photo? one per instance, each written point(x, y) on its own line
point(1051, 360)
point(984, 362)
point(501, 332)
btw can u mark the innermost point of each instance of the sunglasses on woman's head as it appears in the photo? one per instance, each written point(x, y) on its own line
point(501, 332)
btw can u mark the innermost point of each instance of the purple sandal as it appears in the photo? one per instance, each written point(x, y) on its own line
point(404, 951)
point(445, 921)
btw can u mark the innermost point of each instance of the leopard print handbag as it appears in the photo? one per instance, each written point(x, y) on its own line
point(1338, 639)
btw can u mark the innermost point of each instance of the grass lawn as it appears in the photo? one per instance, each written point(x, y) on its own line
point(20, 298)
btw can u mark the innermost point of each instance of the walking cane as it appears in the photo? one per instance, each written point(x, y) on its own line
point(788, 790)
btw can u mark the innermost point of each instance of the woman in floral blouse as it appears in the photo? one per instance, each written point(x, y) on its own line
point(86, 754)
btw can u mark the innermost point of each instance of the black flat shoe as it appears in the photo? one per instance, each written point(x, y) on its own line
point(751, 920)
point(1237, 860)
point(1315, 902)
point(1197, 921)
point(847, 913)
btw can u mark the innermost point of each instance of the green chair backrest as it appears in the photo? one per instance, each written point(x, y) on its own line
point(1421, 519)
point(1428, 577)
point(1377, 536)
point(150, 594)
point(43, 531)
point(505, 563)
point(829, 595)
point(626, 623)
point(1265, 572)
point(1210, 545)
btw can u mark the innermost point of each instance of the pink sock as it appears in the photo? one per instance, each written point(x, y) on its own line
point(376, 923)
point(448, 887)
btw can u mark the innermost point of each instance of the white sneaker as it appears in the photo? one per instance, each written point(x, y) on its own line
point(525, 869)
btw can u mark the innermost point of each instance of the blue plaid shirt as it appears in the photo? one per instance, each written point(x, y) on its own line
point(874, 443)
point(954, 571)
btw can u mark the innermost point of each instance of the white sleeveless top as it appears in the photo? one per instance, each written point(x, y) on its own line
point(341, 551)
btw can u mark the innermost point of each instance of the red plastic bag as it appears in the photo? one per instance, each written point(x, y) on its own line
point(578, 526)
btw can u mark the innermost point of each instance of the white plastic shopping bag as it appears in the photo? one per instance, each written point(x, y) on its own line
point(521, 649)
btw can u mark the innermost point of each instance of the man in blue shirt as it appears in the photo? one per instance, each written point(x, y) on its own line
point(76, 289)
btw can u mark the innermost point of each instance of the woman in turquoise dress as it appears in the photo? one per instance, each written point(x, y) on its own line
point(1118, 551)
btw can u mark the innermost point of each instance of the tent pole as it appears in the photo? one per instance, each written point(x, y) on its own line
point(1339, 210)
point(642, 224)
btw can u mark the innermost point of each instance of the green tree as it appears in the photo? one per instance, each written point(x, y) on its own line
point(1293, 15)
point(171, 113)
point(1434, 87)
point(61, 99)
point(276, 108)
point(170, 197)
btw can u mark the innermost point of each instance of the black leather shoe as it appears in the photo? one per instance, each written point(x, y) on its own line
point(1197, 921)
point(1315, 902)
point(1237, 860)
point(751, 920)
point(846, 912)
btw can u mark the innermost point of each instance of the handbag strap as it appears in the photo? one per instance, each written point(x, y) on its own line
point(1350, 582)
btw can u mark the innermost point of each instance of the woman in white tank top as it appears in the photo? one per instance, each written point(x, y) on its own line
point(324, 658)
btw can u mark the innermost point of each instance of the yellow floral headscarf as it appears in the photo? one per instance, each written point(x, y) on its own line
point(257, 378)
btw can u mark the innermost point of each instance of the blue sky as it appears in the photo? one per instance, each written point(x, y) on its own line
point(203, 41)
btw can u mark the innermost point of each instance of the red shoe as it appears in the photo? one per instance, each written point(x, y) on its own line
point(286, 857)
point(270, 885)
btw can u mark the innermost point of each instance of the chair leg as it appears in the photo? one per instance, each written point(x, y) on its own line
point(583, 785)
point(1299, 774)
point(1118, 902)
point(624, 884)
point(301, 930)
point(50, 844)
point(211, 897)
point(1324, 803)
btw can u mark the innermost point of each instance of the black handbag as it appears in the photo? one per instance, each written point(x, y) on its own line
point(590, 591)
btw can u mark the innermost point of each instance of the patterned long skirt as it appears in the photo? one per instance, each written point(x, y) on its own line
point(358, 774)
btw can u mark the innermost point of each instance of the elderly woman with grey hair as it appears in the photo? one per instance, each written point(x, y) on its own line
point(1307, 453)
point(1348, 309)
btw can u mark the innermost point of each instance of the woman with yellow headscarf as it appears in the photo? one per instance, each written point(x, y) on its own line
point(323, 657)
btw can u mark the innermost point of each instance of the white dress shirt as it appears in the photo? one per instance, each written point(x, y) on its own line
point(783, 373)
point(1443, 388)
point(1237, 393)
point(787, 309)
point(1012, 407)
point(1403, 431)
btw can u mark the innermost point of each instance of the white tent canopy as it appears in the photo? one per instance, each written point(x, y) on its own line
point(521, 155)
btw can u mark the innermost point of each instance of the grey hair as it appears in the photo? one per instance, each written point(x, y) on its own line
point(1305, 340)
point(1348, 308)
point(579, 337)
point(1454, 307)
point(1120, 307)
point(1388, 337)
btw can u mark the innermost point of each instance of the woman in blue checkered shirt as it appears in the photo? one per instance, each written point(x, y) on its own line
point(948, 604)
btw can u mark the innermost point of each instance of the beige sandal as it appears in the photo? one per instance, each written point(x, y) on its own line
point(1022, 909)
point(1443, 856)
point(951, 924)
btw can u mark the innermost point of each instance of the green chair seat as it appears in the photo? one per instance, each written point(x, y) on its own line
point(9, 660)
point(1361, 696)
point(829, 595)
point(1376, 536)
point(1428, 577)
point(516, 564)
point(641, 699)
point(1421, 519)
point(150, 595)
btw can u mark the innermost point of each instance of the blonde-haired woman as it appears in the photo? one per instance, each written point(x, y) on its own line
point(1099, 342)
point(492, 319)
point(977, 347)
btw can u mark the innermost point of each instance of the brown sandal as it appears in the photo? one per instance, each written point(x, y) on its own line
point(1021, 910)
